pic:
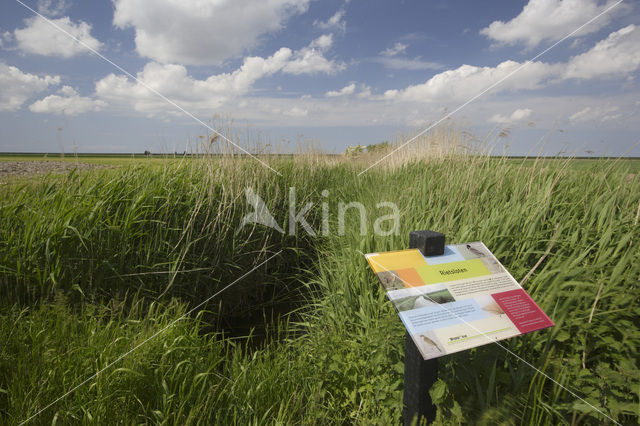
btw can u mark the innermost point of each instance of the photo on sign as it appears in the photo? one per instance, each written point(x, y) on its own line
point(390, 280)
point(429, 295)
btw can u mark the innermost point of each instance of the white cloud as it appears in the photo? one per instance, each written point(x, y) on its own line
point(346, 90)
point(336, 22)
point(582, 115)
point(542, 20)
point(499, 119)
point(205, 32)
point(17, 87)
point(616, 55)
point(41, 38)
point(517, 115)
point(365, 92)
point(600, 114)
point(296, 112)
point(462, 83)
point(396, 49)
point(407, 64)
point(311, 59)
point(268, 112)
point(66, 102)
point(174, 82)
point(521, 114)
point(230, 93)
point(389, 59)
point(7, 37)
point(322, 43)
point(53, 8)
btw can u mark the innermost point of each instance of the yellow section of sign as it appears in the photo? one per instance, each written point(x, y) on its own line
point(393, 260)
point(452, 271)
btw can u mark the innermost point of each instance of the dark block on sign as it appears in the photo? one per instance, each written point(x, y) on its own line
point(430, 243)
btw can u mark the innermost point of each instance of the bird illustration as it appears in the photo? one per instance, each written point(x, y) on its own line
point(430, 342)
point(475, 251)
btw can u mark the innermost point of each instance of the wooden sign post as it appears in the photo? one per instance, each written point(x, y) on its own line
point(420, 375)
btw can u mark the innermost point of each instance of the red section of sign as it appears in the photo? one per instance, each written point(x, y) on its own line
point(522, 310)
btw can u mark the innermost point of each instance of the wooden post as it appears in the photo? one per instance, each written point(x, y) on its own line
point(420, 375)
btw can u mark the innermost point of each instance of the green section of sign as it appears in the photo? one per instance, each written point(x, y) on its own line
point(452, 271)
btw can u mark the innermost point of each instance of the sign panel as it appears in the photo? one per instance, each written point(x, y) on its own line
point(462, 299)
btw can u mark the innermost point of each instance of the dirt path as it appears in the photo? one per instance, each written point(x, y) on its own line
point(29, 168)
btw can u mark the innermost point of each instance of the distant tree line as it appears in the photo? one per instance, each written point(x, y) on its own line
point(355, 150)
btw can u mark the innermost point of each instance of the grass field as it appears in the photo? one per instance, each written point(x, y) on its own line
point(94, 264)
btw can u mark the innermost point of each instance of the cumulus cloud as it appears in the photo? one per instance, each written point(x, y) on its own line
point(311, 59)
point(336, 22)
point(347, 90)
point(616, 55)
point(16, 87)
point(53, 8)
point(66, 102)
point(517, 115)
point(173, 81)
point(549, 20)
point(201, 33)
point(521, 114)
point(41, 38)
point(466, 81)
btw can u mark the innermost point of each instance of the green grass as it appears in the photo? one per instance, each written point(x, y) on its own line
point(122, 159)
point(92, 265)
point(117, 160)
point(630, 165)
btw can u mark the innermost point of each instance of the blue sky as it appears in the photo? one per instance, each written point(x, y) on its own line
point(329, 73)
